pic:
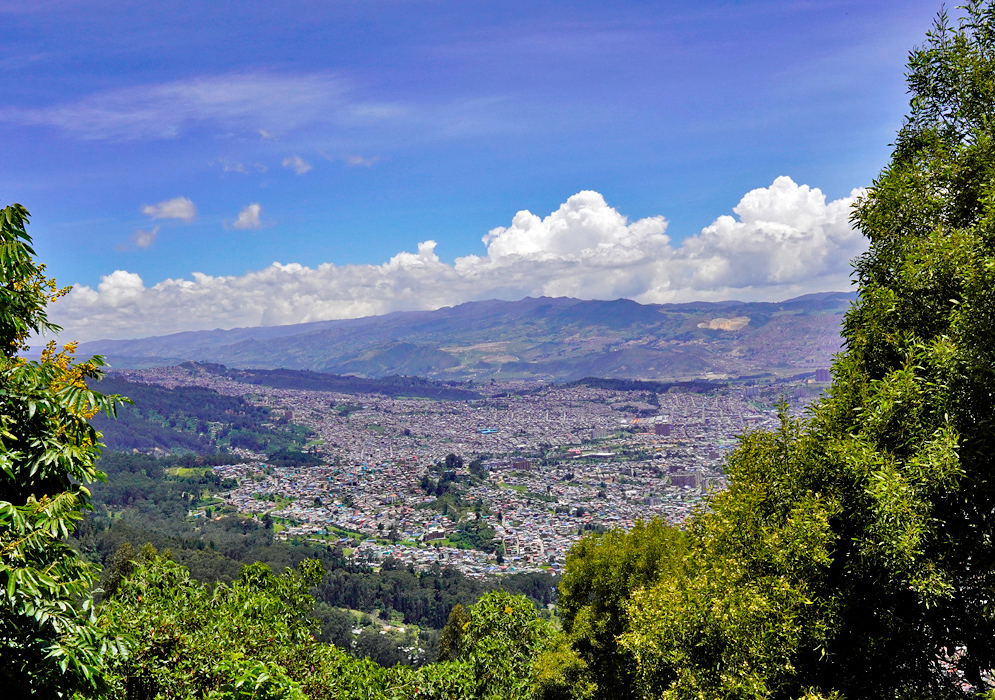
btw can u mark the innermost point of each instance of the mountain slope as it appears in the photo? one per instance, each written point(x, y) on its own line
point(547, 338)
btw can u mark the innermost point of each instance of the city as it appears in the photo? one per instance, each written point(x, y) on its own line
point(503, 484)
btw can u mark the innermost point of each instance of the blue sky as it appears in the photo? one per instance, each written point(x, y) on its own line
point(359, 130)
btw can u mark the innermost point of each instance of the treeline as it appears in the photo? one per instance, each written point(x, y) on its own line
point(392, 385)
point(424, 598)
point(697, 386)
point(197, 419)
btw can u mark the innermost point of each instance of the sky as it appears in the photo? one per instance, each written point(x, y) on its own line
point(195, 165)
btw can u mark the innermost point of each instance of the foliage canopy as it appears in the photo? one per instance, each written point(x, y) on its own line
point(854, 553)
point(49, 637)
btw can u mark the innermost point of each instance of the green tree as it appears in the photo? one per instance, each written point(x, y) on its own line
point(748, 612)
point(451, 637)
point(854, 553)
point(120, 565)
point(254, 639)
point(558, 673)
point(500, 641)
point(601, 573)
point(50, 642)
point(191, 640)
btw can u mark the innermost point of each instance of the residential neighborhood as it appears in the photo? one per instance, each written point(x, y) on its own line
point(528, 468)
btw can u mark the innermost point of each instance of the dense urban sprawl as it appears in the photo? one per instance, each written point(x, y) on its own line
point(530, 468)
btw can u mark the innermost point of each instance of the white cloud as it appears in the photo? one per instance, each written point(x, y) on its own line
point(268, 106)
point(782, 241)
point(355, 160)
point(235, 166)
point(143, 239)
point(249, 217)
point(298, 164)
point(179, 208)
point(120, 288)
point(255, 102)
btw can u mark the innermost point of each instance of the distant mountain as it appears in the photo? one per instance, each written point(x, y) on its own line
point(545, 338)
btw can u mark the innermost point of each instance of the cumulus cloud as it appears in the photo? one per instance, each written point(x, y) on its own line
point(298, 164)
point(143, 239)
point(249, 217)
point(780, 241)
point(179, 208)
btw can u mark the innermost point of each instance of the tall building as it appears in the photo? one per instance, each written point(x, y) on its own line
point(686, 480)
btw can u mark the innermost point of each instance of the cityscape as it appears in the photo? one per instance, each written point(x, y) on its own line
point(501, 484)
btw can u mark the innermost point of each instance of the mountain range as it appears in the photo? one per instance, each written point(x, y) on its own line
point(559, 339)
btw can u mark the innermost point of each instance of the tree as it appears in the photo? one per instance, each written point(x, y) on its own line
point(190, 639)
point(451, 636)
point(854, 552)
point(253, 639)
point(119, 567)
point(747, 610)
point(500, 641)
point(50, 641)
point(601, 573)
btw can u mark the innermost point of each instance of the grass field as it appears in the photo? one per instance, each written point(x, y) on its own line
point(188, 472)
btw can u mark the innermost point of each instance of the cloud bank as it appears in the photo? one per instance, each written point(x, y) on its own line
point(784, 240)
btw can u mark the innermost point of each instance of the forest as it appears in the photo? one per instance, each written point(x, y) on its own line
point(199, 420)
point(851, 556)
point(391, 385)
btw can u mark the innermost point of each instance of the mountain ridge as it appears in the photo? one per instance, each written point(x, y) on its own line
point(549, 338)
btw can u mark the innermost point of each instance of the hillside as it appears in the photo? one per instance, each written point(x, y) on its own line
point(544, 338)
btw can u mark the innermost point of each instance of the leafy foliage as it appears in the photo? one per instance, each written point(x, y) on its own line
point(854, 553)
point(50, 641)
point(253, 639)
point(192, 641)
point(601, 574)
point(423, 598)
point(451, 638)
point(748, 608)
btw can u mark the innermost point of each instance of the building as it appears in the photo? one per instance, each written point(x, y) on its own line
point(686, 480)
